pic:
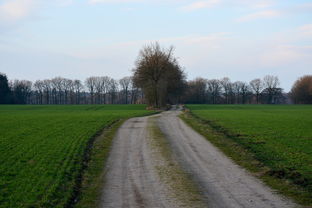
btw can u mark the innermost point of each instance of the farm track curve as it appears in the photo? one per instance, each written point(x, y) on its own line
point(132, 180)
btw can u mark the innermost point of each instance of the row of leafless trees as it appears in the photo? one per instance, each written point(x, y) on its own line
point(106, 90)
point(224, 91)
point(95, 90)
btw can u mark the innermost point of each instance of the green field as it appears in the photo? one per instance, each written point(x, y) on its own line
point(280, 136)
point(42, 148)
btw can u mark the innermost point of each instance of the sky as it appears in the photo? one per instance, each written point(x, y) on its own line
point(239, 39)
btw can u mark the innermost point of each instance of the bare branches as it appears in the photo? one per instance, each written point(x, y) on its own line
point(158, 74)
point(224, 91)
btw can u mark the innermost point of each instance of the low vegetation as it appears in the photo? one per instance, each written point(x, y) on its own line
point(182, 188)
point(274, 142)
point(43, 147)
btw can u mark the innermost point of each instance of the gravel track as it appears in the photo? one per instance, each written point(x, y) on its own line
point(132, 181)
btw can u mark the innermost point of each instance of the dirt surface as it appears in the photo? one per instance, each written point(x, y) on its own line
point(132, 179)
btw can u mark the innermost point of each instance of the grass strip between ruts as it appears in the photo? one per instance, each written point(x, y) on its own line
point(180, 184)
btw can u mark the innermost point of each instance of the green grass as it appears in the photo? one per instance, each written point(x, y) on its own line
point(275, 140)
point(42, 149)
point(93, 177)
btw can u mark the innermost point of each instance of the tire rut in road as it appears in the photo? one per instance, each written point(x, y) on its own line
point(223, 183)
point(142, 170)
point(133, 176)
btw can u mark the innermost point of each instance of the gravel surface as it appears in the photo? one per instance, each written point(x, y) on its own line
point(132, 180)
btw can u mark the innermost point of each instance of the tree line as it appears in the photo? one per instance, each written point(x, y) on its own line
point(223, 91)
point(106, 90)
point(59, 90)
point(157, 80)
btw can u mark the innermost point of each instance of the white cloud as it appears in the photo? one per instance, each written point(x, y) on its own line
point(113, 1)
point(306, 30)
point(263, 4)
point(256, 4)
point(282, 55)
point(65, 3)
point(13, 10)
point(200, 5)
point(266, 14)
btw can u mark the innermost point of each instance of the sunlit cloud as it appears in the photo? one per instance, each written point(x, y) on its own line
point(200, 5)
point(14, 10)
point(266, 14)
point(256, 4)
point(306, 30)
point(113, 1)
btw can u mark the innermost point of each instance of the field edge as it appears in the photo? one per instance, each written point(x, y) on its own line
point(91, 181)
point(246, 159)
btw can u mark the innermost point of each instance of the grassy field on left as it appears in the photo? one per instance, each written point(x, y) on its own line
point(42, 147)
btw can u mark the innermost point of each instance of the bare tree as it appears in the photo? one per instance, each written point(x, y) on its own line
point(226, 85)
point(78, 88)
point(196, 91)
point(125, 85)
point(46, 85)
point(214, 89)
point(39, 88)
point(90, 84)
point(271, 86)
point(244, 92)
point(134, 93)
point(57, 84)
point(158, 73)
point(112, 90)
point(256, 86)
point(98, 85)
point(67, 88)
point(237, 87)
point(105, 83)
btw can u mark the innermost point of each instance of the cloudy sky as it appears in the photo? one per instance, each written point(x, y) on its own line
point(239, 39)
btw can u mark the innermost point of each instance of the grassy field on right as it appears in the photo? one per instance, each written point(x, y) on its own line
point(278, 136)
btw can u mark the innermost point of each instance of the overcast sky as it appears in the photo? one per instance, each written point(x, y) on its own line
point(239, 39)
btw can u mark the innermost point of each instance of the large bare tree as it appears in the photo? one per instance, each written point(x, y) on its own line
point(158, 74)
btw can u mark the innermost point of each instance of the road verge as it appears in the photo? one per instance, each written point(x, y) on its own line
point(246, 159)
point(92, 176)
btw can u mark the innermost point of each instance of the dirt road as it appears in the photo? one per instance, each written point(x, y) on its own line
point(132, 179)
